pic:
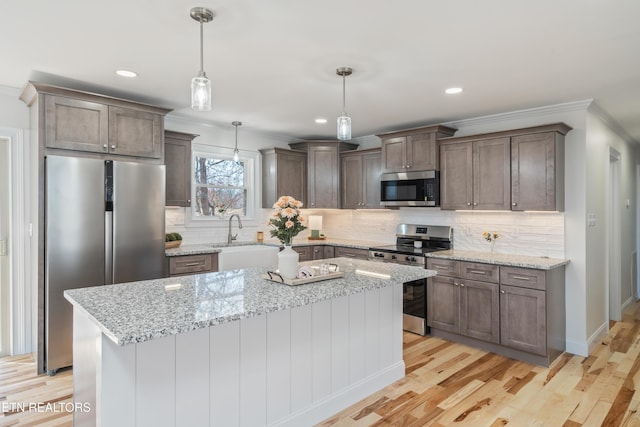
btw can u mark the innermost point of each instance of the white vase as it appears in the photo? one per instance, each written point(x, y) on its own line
point(288, 262)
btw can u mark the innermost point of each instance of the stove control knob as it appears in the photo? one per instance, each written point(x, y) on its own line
point(411, 259)
point(378, 255)
point(394, 257)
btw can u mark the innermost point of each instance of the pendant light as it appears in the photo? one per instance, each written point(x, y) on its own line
point(236, 153)
point(344, 121)
point(200, 84)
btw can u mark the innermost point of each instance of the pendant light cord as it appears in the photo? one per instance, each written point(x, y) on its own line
point(201, 48)
point(344, 96)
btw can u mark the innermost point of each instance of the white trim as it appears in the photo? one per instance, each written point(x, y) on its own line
point(19, 243)
point(610, 122)
point(613, 236)
point(531, 112)
point(585, 348)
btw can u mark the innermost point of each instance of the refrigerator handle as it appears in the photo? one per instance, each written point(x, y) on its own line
point(108, 248)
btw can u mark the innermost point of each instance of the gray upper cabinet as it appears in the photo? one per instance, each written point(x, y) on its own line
point(284, 173)
point(91, 123)
point(135, 133)
point(519, 169)
point(73, 124)
point(475, 174)
point(323, 171)
point(177, 158)
point(413, 149)
point(360, 184)
point(537, 172)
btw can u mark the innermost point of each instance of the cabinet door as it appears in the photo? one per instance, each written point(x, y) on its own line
point(328, 251)
point(135, 133)
point(456, 176)
point(318, 252)
point(480, 310)
point(371, 166)
point(522, 319)
point(291, 177)
point(492, 174)
point(534, 172)
point(177, 154)
point(422, 152)
point(352, 182)
point(393, 154)
point(323, 177)
point(443, 303)
point(72, 124)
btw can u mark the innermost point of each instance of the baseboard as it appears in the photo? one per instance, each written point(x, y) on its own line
point(627, 303)
point(345, 398)
point(595, 339)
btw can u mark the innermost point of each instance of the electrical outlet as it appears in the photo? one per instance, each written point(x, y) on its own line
point(591, 220)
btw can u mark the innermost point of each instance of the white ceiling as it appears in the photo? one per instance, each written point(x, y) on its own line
point(272, 63)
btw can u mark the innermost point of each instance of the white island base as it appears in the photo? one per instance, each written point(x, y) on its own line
point(294, 367)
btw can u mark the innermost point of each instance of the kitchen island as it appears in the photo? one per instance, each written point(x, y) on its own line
point(233, 349)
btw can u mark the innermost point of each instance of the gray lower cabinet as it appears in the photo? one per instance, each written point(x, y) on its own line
point(463, 306)
point(177, 158)
point(518, 312)
point(341, 251)
point(192, 264)
point(360, 183)
point(310, 253)
point(284, 173)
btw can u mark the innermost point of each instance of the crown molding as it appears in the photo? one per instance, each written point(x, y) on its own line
point(599, 112)
point(518, 114)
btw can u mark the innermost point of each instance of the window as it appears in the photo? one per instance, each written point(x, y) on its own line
point(221, 186)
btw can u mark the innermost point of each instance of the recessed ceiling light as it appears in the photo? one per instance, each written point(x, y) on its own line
point(453, 90)
point(126, 73)
point(321, 121)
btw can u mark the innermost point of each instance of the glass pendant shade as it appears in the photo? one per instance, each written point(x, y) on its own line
point(236, 155)
point(344, 127)
point(201, 93)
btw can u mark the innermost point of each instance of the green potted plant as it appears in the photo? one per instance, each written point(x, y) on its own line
point(172, 240)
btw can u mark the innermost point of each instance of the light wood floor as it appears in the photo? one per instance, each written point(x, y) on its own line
point(446, 385)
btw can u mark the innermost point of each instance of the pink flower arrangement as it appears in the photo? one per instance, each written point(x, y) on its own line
point(286, 219)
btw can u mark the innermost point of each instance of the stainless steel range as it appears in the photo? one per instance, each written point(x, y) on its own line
point(412, 243)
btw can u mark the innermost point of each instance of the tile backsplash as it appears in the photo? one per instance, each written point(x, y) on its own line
point(521, 233)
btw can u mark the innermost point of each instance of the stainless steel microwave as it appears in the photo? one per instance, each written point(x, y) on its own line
point(410, 188)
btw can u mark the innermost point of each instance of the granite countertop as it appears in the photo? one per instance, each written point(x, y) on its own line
point(210, 248)
point(141, 311)
point(540, 263)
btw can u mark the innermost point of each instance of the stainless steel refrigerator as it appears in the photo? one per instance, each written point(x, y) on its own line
point(104, 225)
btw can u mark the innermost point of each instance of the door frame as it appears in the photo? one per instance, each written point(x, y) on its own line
point(19, 245)
point(613, 236)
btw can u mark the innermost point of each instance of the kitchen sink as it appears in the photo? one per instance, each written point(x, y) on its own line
point(234, 257)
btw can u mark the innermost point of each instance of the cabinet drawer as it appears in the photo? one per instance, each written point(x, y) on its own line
point(351, 252)
point(523, 277)
point(479, 271)
point(190, 264)
point(305, 252)
point(444, 267)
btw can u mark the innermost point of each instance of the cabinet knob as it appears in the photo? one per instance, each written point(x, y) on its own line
point(502, 292)
point(189, 201)
point(468, 203)
point(514, 204)
point(104, 146)
point(408, 166)
point(475, 203)
point(113, 147)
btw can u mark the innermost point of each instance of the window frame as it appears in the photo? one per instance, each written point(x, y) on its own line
point(251, 172)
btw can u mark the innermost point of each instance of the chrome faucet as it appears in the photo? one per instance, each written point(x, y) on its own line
point(232, 237)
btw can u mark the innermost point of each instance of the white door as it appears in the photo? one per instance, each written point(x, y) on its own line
point(5, 295)
point(614, 236)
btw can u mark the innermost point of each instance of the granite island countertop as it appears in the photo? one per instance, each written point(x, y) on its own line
point(209, 248)
point(525, 261)
point(141, 311)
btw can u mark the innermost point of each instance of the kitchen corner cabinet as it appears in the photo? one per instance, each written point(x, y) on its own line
point(360, 183)
point(476, 174)
point(413, 149)
point(459, 304)
point(177, 158)
point(323, 171)
point(284, 173)
point(91, 123)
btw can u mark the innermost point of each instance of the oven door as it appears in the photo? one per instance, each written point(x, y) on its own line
point(414, 307)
